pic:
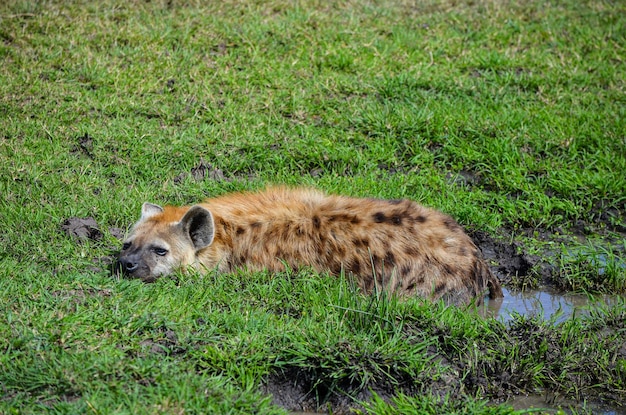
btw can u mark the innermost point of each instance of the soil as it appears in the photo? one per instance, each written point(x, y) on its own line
point(203, 171)
point(304, 390)
point(512, 264)
point(87, 229)
point(82, 229)
point(165, 343)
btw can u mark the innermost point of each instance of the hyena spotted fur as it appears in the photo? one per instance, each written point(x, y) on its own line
point(396, 245)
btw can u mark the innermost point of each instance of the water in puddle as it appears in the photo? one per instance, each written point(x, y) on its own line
point(547, 303)
point(550, 305)
point(551, 405)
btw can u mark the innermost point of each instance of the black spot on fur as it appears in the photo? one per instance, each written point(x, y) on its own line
point(255, 224)
point(375, 261)
point(272, 235)
point(390, 259)
point(451, 224)
point(379, 217)
point(316, 222)
point(345, 217)
point(336, 267)
point(240, 230)
point(229, 263)
point(448, 269)
point(411, 250)
point(439, 288)
point(420, 219)
point(396, 220)
point(320, 250)
point(406, 270)
point(360, 242)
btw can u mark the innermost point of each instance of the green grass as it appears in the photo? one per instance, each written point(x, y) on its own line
point(510, 116)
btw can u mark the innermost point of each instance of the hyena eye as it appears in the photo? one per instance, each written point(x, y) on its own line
point(125, 246)
point(160, 251)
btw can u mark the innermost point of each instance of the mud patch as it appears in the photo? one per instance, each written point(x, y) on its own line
point(82, 229)
point(86, 229)
point(498, 375)
point(302, 390)
point(84, 146)
point(165, 343)
point(117, 233)
point(330, 383)
point(202, 171)
point(511, 264)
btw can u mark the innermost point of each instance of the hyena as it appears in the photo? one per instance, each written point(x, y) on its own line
point(394, 245)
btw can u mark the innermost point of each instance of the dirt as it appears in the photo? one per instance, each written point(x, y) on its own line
point(82, 229)
point(86, 229)
point(202, 171)
point(84, 146)
point(511, 262)
point(307, 390)
point(164, 343)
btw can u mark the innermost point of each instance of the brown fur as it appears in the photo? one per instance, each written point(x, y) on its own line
point(397, 245)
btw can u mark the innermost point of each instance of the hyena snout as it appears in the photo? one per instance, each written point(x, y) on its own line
point(133, 266)
point(128, 265)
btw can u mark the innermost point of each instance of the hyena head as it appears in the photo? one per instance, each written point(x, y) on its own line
point(164, 240)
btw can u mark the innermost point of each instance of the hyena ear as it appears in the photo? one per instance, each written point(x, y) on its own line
point(198, 224)
point(149, 210)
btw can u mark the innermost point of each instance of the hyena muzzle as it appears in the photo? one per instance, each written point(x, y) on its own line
point(394, 245)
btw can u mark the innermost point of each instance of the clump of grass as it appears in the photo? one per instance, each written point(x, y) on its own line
point(425, 404)
point(366, 349)
point(592, 269)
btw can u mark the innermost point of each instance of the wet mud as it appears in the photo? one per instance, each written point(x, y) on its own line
point(305, 390)
point(82, 229)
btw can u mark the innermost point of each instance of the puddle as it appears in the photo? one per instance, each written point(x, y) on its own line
point(546, 303)
point(553, 405)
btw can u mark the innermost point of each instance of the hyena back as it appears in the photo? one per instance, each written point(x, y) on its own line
point(396, 245)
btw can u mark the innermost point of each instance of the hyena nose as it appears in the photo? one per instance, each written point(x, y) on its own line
point(129, 266)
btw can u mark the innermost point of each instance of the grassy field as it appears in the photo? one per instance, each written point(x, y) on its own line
point(508, 115)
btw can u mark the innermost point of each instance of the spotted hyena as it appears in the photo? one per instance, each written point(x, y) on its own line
point(396, 245)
